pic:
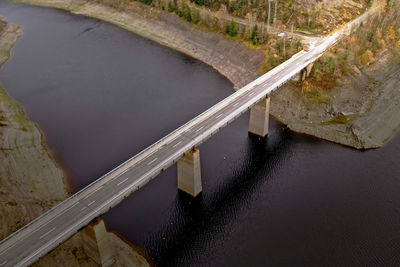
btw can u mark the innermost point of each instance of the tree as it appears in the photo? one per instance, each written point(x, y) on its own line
point(389, 4)
point(254, 37)
point(186, 12)
point(173, 6)
point(366, 57)
point(390, 34)
point(269, 13)
point(195, 16)
point(231, 29)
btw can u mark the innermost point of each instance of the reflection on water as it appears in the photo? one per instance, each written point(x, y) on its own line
point(212, 215)
point(101, 95)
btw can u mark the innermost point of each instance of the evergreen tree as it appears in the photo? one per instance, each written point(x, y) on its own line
point(254, 37)
point(231, 29)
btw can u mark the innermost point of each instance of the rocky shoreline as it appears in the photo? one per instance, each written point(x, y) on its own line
point(362, 111)
point(31, 182)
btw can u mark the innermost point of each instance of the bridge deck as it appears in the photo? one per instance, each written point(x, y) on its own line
point(55, 226)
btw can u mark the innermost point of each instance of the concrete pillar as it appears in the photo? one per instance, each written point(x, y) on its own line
point(303, 74)
point(259, 118)
point(297, 77)
point(309, 68)
point(96, 243)
point(189, 174)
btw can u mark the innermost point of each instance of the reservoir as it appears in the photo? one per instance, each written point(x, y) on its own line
point(101, 95)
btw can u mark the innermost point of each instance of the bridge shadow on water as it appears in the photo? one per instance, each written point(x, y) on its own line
point(197, 224)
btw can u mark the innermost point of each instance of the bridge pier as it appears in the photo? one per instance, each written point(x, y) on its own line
point(304, 73)
point(308, 69)
point(189, 173)
point(259, 118)
point(96, 244)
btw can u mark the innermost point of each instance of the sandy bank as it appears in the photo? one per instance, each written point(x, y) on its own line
point(31, 182)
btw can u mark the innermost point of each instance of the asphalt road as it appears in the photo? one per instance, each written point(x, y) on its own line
point(52, 228)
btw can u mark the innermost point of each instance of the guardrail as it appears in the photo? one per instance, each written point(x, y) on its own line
point(119, 170)
point(91, 188)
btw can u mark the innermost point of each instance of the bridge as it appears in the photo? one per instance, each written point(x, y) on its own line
point(46, 232)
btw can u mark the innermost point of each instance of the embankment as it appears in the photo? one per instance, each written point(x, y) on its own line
point(362, 111)
point(31, 182)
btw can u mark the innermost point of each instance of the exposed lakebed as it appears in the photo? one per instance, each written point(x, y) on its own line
point(101, 94)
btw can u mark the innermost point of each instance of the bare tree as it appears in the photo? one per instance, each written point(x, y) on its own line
point(276, 9)
point(269, 14)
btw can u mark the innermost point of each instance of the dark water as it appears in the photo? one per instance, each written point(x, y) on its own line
point(101, 95)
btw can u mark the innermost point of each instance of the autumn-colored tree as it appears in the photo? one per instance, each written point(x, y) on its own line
point(367, 57)
point(306, 86)
point(390, 34)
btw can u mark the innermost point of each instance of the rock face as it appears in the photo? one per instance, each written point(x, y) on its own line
point(31, 182)
point(363, 111)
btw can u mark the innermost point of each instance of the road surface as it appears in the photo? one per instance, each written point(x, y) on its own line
point(55, 226)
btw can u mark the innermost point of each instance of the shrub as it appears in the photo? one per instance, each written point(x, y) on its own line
point(366, 57)
point(231, 29)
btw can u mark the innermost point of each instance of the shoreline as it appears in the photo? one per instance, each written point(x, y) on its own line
point(234, 60)
point(31, 180)
point(356, 113)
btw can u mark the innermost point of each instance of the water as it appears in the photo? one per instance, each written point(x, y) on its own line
point(101, 95)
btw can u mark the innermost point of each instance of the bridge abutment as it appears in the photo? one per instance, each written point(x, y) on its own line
point(189, 173)
point(96, 243)
point(259, 118)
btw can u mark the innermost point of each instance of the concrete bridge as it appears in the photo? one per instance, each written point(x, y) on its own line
point(82, 210)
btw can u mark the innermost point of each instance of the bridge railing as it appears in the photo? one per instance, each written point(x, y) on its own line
point(120, 169)
point(89, 189)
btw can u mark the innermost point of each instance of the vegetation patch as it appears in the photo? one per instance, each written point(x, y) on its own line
point(369, 42)
point(339, 119)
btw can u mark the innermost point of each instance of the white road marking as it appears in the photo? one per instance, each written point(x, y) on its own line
point(47, 233)
point(91, 202)
point(3, 263)
point(177, 144)
point(236, 104)
point(199, 129)
point(122, 181)
point(219, 115)
point(151, 161)
point(252, 93)
point(83, 208)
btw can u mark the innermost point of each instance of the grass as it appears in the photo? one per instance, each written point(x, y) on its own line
point(339, 119)
point(15, 110)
